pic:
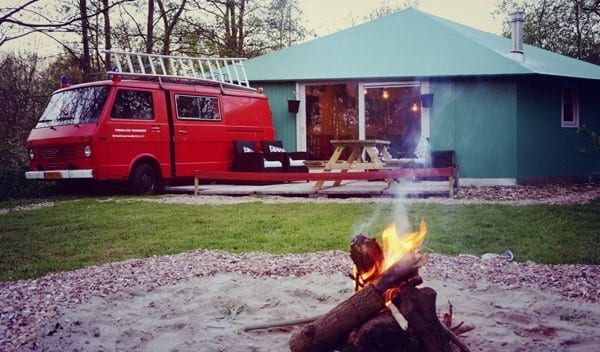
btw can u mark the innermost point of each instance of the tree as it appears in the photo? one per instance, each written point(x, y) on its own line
point(85, 43)
point(567, 27)
point(128, 33)
point(22, 98)
point(150, 27)
point(283, 22)
point(241, 28)
point(170, 14)
point(387, 9)
point(14, 23)
point(107, 33)
point(62, 22)
point(223, 29)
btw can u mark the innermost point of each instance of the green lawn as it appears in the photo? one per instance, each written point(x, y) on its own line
point(77, 233)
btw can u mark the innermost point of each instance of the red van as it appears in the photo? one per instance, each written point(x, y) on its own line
point(150, 129)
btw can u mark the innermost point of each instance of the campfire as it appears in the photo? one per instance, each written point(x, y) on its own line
point(389, 310)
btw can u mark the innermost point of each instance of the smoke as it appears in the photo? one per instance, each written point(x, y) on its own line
point(400, 212)
point(399, 216)
point(364, 226)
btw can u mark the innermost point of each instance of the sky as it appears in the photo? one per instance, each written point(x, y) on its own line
point(328, 16)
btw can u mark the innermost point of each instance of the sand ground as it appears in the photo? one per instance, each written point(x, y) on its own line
point(209, 314)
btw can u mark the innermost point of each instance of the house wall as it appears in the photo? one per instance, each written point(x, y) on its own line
point(504, 130)
point(477, 119)
point(547, 152)
point(283, 121)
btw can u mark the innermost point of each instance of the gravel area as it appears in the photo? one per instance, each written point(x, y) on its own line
point(526, 195)
point(25, 306)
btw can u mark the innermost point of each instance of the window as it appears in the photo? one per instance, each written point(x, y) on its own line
point(393, 113)
point(197, 108)
point(570, 108)
point(74, 106)
point(132, 104)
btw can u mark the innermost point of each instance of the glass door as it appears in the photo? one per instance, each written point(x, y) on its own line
point(331, 113)
point(393, 113)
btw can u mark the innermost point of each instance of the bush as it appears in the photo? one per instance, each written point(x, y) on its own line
point(13, 184)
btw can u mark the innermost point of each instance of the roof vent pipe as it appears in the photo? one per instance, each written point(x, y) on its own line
point(516, 26)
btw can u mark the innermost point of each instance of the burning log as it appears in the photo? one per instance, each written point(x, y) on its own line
point(381, 334)
point(367, 257)
point(363, 322)
point(418, 307)
point(333, 328)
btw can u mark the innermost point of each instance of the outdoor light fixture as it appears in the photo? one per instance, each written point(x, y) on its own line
point(293, 104)
point(414, 107)
point(385, 94)
point(427, 100)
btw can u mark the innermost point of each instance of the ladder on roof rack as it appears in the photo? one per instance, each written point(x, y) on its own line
point(220, 70)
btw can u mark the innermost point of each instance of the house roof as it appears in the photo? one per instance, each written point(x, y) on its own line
point(410, 43)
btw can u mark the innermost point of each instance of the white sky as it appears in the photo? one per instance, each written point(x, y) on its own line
point(328, 16)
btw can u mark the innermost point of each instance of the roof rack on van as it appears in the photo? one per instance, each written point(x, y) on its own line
point(215, 70)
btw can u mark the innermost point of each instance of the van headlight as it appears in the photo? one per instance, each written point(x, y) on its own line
point(31, 154)
point(87, 151)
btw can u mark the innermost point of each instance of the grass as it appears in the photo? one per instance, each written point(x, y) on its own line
point(78, 233)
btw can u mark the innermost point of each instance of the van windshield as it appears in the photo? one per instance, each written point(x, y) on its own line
point(74, 107)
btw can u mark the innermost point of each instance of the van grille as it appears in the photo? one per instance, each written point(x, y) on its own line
point(57, 152)
point(57, 165)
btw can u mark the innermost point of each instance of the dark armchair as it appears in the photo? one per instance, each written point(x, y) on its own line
point(443, 158)
point(292, 161)
point(248, 158)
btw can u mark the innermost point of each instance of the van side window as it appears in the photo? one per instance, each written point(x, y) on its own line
point(191, 107)
point(132, 104)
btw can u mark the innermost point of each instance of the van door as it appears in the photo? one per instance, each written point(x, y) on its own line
point(136, 128)
point(199, 134)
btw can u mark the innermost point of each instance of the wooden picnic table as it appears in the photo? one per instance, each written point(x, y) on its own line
point(375, 149)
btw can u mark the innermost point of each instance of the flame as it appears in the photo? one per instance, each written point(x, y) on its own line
point(396, 245)
point(393, 247)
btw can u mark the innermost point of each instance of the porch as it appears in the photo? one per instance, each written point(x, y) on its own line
point(347, 189)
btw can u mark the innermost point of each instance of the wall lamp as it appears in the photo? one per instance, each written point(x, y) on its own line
point(427, 100)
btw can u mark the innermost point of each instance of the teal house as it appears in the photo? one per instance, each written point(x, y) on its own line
point(510, 111)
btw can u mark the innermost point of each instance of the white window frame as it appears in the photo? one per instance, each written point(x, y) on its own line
point(301, 115)
point(569, 97)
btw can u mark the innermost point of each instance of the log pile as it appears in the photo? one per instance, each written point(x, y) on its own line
point(388, 311)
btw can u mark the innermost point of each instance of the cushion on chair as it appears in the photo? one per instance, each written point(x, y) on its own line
point(272, 147)
point(272, 164)
point(276, 149)
point(244, 146)
point(292, 162)
point(247, 158)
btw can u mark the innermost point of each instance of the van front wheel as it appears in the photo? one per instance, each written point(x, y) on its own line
point(144, 180)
